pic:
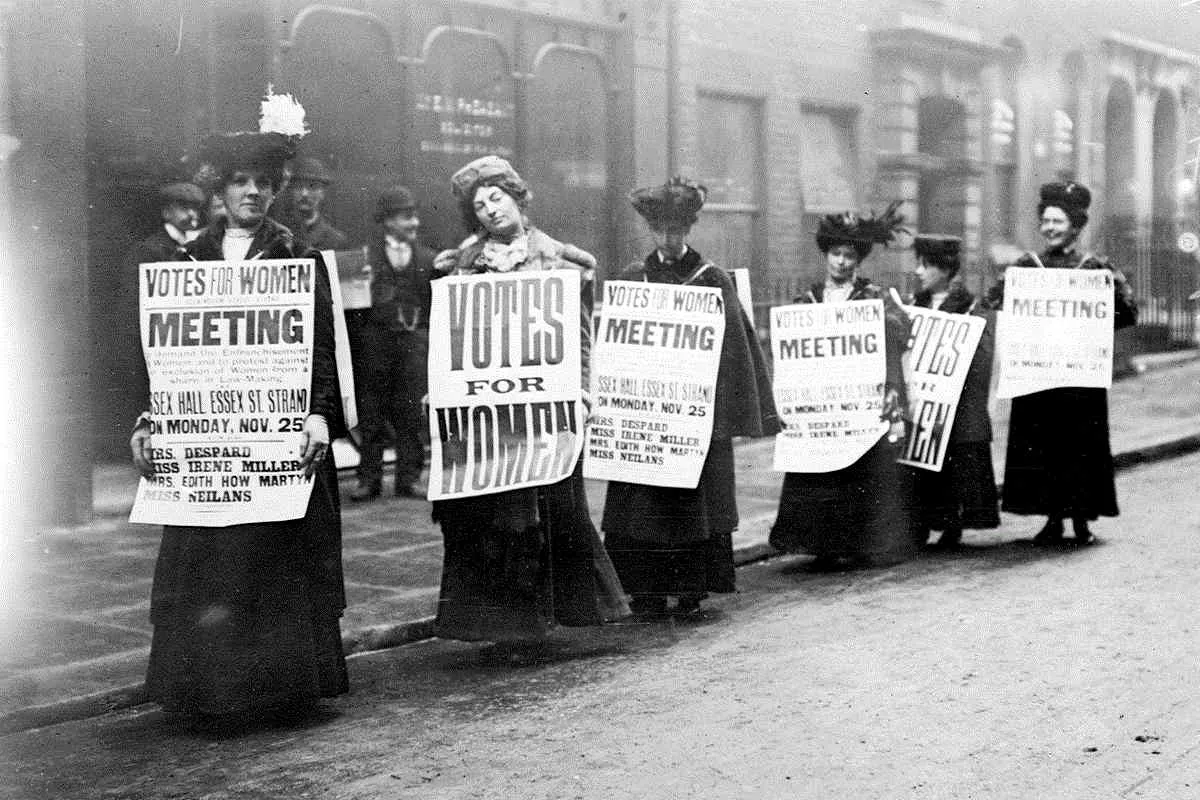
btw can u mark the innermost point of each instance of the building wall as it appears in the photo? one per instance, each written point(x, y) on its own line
point(883, 66)
point(786, 58)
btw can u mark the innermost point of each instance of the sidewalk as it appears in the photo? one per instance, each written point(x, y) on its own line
point(74, 628)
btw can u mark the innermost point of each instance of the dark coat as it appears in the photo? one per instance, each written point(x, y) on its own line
point(321, 235)
point(1125, 312)
point(246, 616)
point(865, 509)
point(896, 326)
point(1059, 460)
point(972, 423)
point(391, 357)
point(275, 241)
point(158, 246)
point(672, 541)
point(517, 563)
point(963, 494)
point(400, 299)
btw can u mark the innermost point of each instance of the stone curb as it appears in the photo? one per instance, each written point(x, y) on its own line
point(382, 637)
point(361, 640)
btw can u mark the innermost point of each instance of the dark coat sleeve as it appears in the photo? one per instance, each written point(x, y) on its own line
point(745, 402)
point(1125, 311)
point(326, 394)
point(897, 327)
point(972, 422)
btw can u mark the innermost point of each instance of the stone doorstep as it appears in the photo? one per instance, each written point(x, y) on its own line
point(380, 637)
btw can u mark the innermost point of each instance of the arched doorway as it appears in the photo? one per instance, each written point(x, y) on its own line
point(340, 65)
point(464, 106)
point(567, 152)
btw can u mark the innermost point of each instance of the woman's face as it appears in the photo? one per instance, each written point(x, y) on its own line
point(670, 241)
point(841, 261)
point(247, 196)
point(1056, 228)
point(933, 279)
point(498, 211)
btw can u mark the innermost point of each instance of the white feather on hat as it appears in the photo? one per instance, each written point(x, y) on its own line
point(281, 113)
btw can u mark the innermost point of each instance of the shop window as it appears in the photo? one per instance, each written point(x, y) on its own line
point(462, 106)
point(730, 231)
point(567, 165)
point(828, 160)
point(941, 127)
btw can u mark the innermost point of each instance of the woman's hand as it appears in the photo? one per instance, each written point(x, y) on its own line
point(139, 447)
point(893, 413)
point(891, 405)
point(314, 447)
point(445, 260)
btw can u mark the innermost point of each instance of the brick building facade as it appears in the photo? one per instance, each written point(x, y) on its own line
point(959, 109)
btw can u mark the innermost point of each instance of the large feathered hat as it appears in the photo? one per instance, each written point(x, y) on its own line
point(1073, 198)
point(675, 203)
point(862, 232)
point(280, 127)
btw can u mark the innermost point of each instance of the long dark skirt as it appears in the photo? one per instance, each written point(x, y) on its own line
point(247, 617)
point(1059, 462)
point(963, 494)
point(667, 541)
point(511, 585)
point(865, 510)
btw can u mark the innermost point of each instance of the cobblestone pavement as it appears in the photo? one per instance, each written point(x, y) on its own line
point(74, 619)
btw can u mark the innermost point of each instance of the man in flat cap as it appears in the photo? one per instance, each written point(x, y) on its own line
point(394, 346)
point(180, 210)
point(301, 207)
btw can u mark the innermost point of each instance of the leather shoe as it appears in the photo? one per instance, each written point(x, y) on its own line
point(1051, 533)
point(689, 604)
point(365, 491)
point(950, 539)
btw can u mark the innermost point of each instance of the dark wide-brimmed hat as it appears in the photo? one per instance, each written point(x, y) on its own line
point(940, 250)
point(311, 169)
point(675, 203)
point(1073, 198)
point(862, 232)
point(183, 193)
point(280, 127)
point(393, 201)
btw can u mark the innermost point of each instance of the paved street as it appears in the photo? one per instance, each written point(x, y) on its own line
point(1005, 671)
point(76, 608)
